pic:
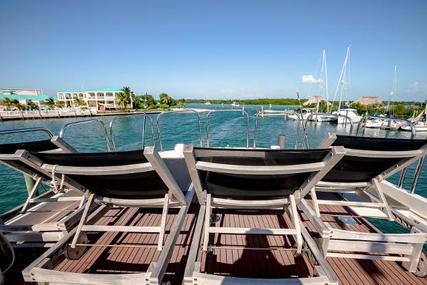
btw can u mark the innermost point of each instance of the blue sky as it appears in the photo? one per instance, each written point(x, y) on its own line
point(213, 49)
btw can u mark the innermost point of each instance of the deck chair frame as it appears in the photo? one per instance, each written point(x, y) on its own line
point(42, 233)
point(40, 270)
point(10, 161)
point(173, 199)
point(208, 203)
point(406, 248)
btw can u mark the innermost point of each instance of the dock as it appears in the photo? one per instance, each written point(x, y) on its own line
point(63, 113)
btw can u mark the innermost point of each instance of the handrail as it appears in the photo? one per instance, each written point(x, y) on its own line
point(185, 111)
point(111, 133)
point(26, 130)
point(107, 140)
point(228, 110)
point(258, 115)
point(300, 118)
point(417, 173)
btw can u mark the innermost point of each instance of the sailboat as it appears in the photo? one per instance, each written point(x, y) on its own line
point(388, 122)
point(324, 90)
point(345, 115)
point(419, 124)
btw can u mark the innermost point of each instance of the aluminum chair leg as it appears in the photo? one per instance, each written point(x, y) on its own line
point(315, 202)
point(382, 198)
point(296, 221)
point(82, 220)
point(163, 222)
point(207, 222)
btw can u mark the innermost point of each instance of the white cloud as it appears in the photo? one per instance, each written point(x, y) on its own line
point(310, 79)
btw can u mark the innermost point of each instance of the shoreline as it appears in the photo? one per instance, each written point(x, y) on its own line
point(20, 116)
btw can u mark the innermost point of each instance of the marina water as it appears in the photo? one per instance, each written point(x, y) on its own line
point(225, 129)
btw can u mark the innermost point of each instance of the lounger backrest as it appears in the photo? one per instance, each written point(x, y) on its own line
point(255, 174)
point(42, 145)
point(122, 175)
point(10, 155)
point(380, 144)
point(367, 157)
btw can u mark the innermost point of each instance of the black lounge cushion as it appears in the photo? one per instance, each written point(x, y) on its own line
point(141, 185)
point(363, 169)
point(231, 186)
point(382, 144)
point(36, 146)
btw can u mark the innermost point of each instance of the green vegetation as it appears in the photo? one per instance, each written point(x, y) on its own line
point(50, 102)
point(60, 104)
point(125, 98)
point(79, 102)
point(261, 101)
point(14, 104)
point(165, 102)
point(399, 109)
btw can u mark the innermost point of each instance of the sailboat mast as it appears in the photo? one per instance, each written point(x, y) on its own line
point(342, 78)
point(325, 79)
point(393, 90)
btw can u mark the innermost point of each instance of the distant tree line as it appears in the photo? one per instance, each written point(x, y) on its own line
point(126, 98)
point(261, 101)
point(13, 104)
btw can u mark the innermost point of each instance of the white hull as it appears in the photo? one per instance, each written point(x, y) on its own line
point(324, 118)
point(393, 125)
point(298, 117)
point(418, 128)
point(348, 116)
point(373, 124)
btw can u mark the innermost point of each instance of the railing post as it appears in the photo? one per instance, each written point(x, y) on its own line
point(417, 174)
point(282, 140)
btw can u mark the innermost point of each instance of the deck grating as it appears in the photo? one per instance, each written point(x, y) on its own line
point(233, 262)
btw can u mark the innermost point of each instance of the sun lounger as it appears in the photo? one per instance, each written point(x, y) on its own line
point(251, 179)
point(360, 177)
point(42, 220)
point(140, 179)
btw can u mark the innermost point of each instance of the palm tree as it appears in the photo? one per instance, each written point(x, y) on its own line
point(165, 99)
point(79, 102)
point(60, 104)
point(122, 99)
point(6, 102)
point(125, 97)
point(16, 104)
point(50, 102)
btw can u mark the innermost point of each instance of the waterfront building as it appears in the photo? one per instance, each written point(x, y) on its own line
point(369, 100)
point(101, 99)
point(315, 100)
point(23, 95)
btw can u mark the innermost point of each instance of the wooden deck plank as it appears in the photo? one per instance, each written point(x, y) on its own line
point(233, 262)
point(351, 271)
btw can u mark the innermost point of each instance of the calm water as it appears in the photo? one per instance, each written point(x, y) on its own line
point(225, 129)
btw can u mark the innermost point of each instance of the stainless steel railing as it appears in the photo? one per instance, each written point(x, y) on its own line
point(243, 112)
point(27, 130)
point(143, 131)
point(68, 125)
point(186, 111)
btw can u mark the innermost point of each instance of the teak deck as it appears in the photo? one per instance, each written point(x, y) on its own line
point(234, 260)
